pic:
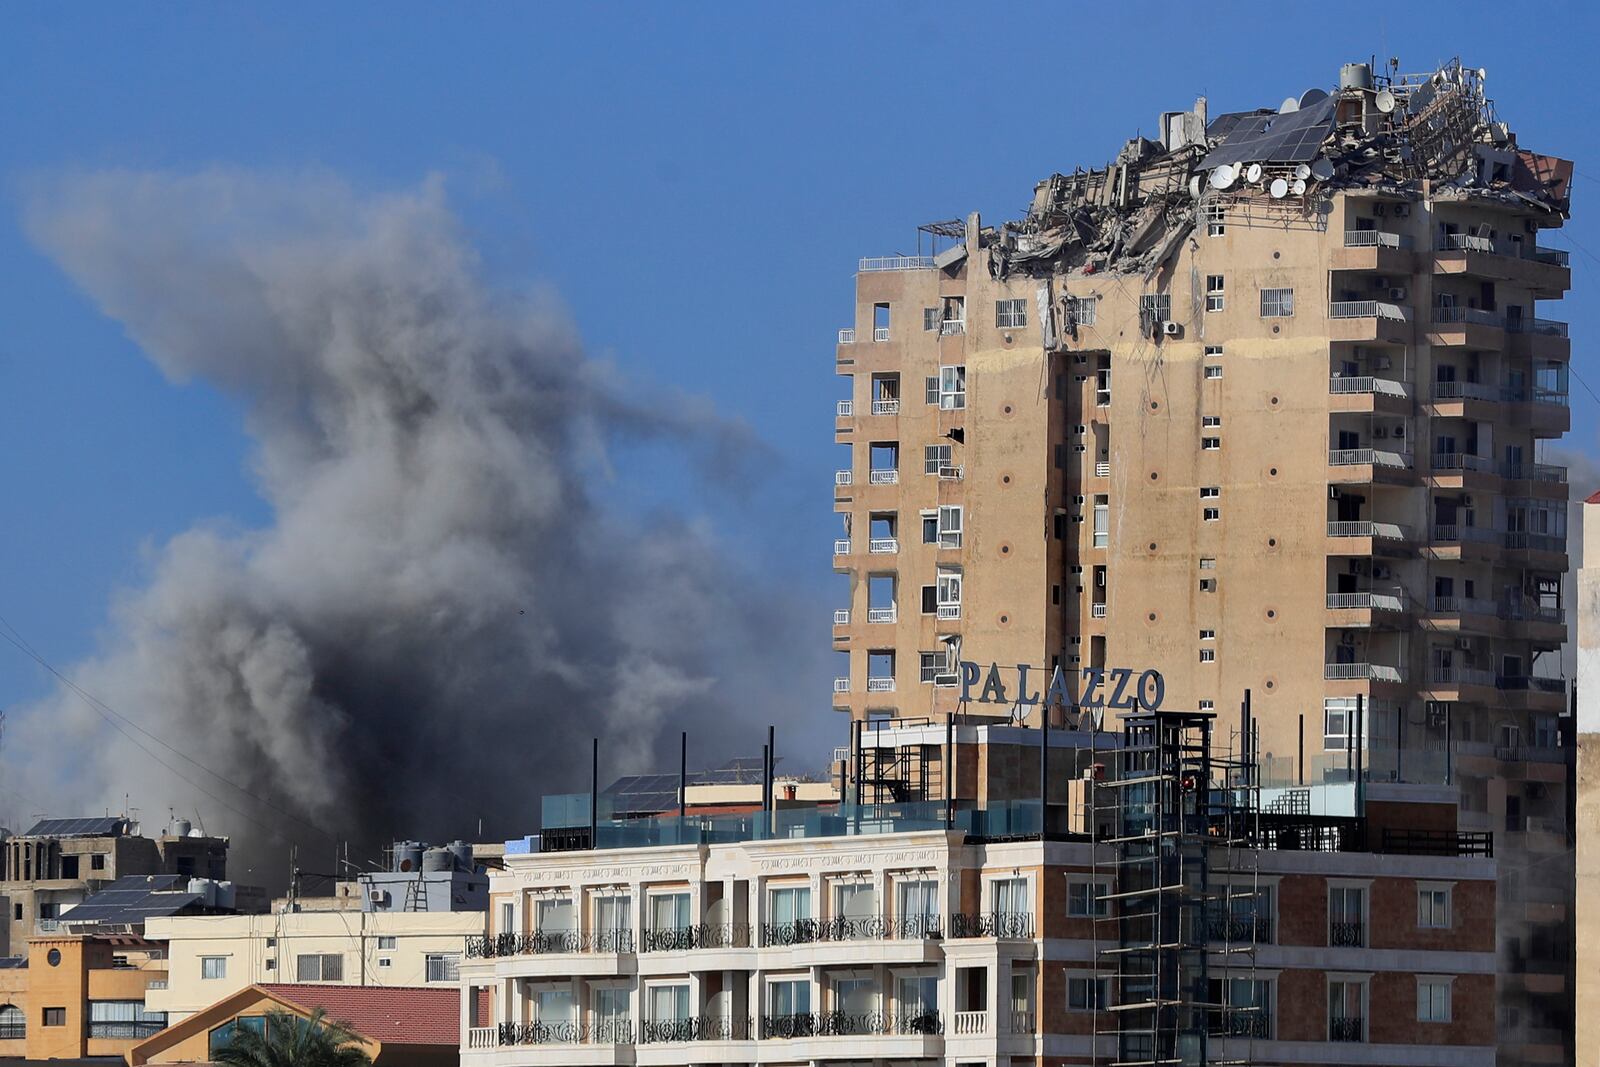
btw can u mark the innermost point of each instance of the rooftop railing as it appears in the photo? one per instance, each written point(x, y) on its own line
point(869, 264)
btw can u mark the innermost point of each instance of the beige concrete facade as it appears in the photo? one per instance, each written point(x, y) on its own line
point(212, 956)
point(1587, 926)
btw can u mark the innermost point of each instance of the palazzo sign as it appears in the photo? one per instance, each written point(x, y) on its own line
point(1092, 688)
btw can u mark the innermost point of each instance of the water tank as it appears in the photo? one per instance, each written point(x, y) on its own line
point(205, 889)
point(462, 853)
point(227, 895)
point(1355, 76)
point(407, 856)
point(438, 859)
point(181, 827)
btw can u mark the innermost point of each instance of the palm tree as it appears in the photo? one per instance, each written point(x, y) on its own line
point(290, 1041)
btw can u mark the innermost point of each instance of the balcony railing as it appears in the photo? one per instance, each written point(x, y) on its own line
point(1387, 531)
point(699, 935)
point(1530, 682)
point(877, 615)
point(1446, 316)
point(1465, 242)
point(1461, 676)
point(1098, 611)
point(1364, 385)
point(886, 407)
point(1360, 672)
point(1345, 1028)
point(882, 477)
point(1464, 605)
point(1024, 1022)
point(1005, 925)
point(971, 1024)
point(880, 685)
point(697, 1028)
point(880, 333)
point(1556, 257)
point(841, 617)
point(850, 1024)
point(1364, 601)
point(949, 611)
point(560, 1032)
point(129, 1030)
point(1347, 934)
point(1460, 461)
point(843, 477)
point(1467, 391)
point(846, 408)
point(1239, 929)
point(1457, 533)
point(1375, 239)
point(952, 327)
point(1368, 309)
point(879, 546)
point(847, 337)
point(549, 942)
point(841, 685)
point(875, 263)
point(1542, 327)
point(1535, 542)
point(841, 547)
point(1102, 469)
point(1373, 457)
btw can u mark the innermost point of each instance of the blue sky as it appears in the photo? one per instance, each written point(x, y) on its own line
point(695, 181)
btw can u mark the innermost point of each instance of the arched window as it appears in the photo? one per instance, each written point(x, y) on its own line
point(13, 1023)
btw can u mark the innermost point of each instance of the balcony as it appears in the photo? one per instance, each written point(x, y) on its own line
point(1360, 466)
point(886, 407)
point(1102, 469)
point(1363, 393)
point(1347, 934)
point(841, 617)
point(971, 1024)
point(1365, 601)
point(1376, 250)
point(1455, 678)
point(698, 936)
point(949, 611)
point(880, 685)
point(880, 333)
point(1097, 611)
point(851, 1024)
point(952, 327)
point(1004, 925)
point(596, 1032)
point(1381, 535)
point(550, 942)
point(1539, 339)
point(1369, 320)
point(845, 409)
point(881, 615)
point(1376, 239)
point(843, 477)
point(1544, 270)
point(697, 1028)
point(1460, 605)
point(1361, 672)
point(841, 547)
point(1347, 1028)
point(1447, 541)
point(1024, 1022)
point(1469, 327)
point(883, 546)
point(1241, 1022)
point(1239, 929)
point(120, 1030)
point(841, 685)
point(847, 337)
point(884, 477)
point(870, 264)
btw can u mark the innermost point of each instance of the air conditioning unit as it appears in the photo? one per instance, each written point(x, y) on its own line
point(1380, 210)
point(1397, 293)
point(1382, 362)
point(1466, 502)
point(377, 896)
point(1380, 282)
point(1402, 210)
point(1380, 432)
point(1171, 329)
point(1463, 644)
point(1400, 431)
point(1438, 712)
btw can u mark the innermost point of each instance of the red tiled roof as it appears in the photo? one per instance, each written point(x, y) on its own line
point(1594, 498)
point(400, 1015)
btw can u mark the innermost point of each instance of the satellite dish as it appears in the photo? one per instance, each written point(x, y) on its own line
point(1302, 172)
point(1194, 187)
point(1289, 104)
point(1385, 101)
point(1483, 73)
point(1279, 189)
point(1321, 169)
point(1312, 96)
point(1299, 186)
point(1253, 174)
point(1224, 176)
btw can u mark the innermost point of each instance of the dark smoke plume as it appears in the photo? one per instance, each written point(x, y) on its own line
point(440, 613)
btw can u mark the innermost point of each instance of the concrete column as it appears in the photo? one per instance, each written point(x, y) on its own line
point(468, 995)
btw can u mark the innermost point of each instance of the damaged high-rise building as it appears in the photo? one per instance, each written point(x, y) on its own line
point(1262, 406)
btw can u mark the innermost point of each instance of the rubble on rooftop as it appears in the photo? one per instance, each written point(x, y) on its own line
point(1398, 134)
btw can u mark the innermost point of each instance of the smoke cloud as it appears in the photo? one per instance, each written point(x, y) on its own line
point(441, 612)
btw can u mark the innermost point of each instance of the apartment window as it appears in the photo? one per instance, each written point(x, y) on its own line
point(1347, 1009)
point(1433, 907)
point(788, 997)
point(1208, 563)
point(1088, 993)
point(1155, 307)
point(1086, 899)
point(1102, 521)
point(949, 589)
point(1009, 896)
point(1210, 444)
point(953, 387)
point(383, 961)
point(556, 916)
point(213, 967)
point(1211, 421)
point(932, 666)
point(1208, 705)
point(930, 319)
point(917, 905)
point(934, 457)
point(1208, 655)
point(668, 1003)
point(1216, 220)
point(1215, 293)
point(1336, 716)
point(1211, 514)
point(389, 944)
point(16, 912)
point(443, 966)
point(1277, 303)
point(1208, 635)
point(319, 967)
point(1010, 314)
point(930, 527)
point(789, 904)
point(1433, 998)
point(949, 526)
point(1082, 309)
point(930, 599)
point(1213, 372)
point(1210, 492)
point(1347, 916)
point(930, 389)
point(880, 322)
point(669, 913)
point(1208, 585)
point(610, 1011)
point(1213, 351)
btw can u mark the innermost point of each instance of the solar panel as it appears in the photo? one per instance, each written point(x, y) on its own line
point(636, 793)
point(1273, 138)
point(107, 826)
point(131, 899)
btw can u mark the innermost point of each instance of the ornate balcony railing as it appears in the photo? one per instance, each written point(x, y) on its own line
point(696, 1028)
point(1006, 925)
point(700, 935)
point(1240, 929)
point(549, 942)
point(565, 1032)
point(1247, 1022)
point(850, 1024)
point(1342, 1028)
point(1346, 934)
point(122, 1030)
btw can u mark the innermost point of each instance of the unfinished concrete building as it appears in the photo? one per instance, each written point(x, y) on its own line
point(1262, 406)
